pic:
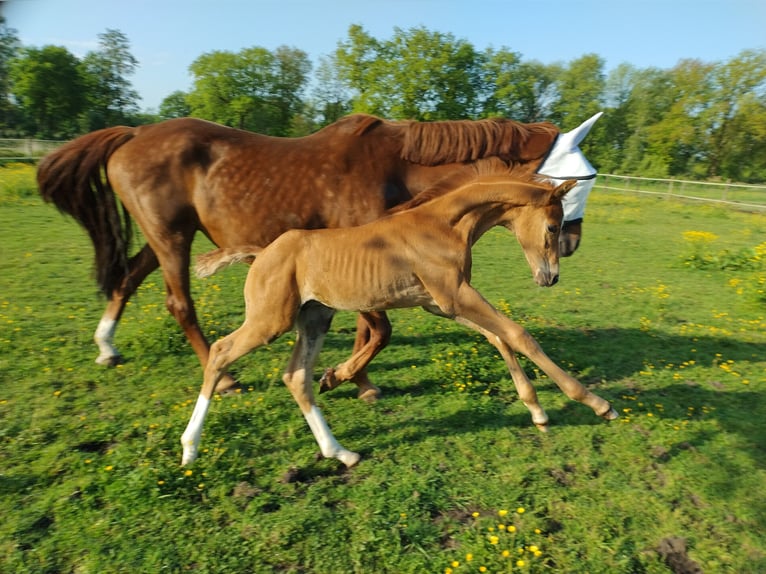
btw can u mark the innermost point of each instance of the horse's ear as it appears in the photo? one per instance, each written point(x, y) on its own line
point(561, 190)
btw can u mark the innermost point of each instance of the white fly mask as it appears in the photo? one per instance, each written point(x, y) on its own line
point(565, 161)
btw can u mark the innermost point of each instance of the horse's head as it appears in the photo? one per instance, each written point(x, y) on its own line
point(566, 161)
point(537, 226)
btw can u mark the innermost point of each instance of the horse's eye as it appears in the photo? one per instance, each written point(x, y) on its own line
point(552, 228)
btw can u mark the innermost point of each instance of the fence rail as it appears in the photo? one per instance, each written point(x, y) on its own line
point(25, 150)
point(742, 196)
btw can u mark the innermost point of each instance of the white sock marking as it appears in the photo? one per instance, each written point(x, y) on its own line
point(191, 436)
point(329, 446)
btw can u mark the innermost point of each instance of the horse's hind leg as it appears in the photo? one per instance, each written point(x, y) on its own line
point(140, 265)
point(313, 322)
point(174, 257)
point(373, 332)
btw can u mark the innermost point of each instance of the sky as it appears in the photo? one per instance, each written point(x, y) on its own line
point(166, 36)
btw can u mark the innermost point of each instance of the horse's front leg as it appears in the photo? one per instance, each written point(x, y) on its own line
point(140, 265)
point(472, 308)
point(312, 324)
point(373, 332)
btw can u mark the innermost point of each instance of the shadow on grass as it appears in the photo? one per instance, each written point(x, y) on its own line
point(614, 358)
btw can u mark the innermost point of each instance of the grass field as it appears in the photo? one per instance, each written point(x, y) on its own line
point(662, 311)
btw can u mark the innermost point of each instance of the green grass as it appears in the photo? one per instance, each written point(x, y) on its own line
point(90, 479)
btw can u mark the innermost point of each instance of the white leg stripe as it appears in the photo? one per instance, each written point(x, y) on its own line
point(191, 437)
point(103, 337)
point(327, 442)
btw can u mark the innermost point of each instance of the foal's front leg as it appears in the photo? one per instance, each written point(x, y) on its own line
point(472, 308)
point(373, 332)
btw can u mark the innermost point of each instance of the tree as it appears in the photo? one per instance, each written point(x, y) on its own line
point(330, 99)
point(9, 46)
point(175, 106)
point(417, 74)
point(111, 98)
point(517, 90)
point(48, 84)
point(738, 98)
point(253, 89)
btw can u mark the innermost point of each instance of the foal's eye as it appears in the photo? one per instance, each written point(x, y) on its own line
point(552, 228)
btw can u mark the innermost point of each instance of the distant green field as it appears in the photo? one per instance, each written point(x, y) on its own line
point(662, 311)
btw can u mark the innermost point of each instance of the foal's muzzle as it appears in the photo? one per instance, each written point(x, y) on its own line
point(546, 278)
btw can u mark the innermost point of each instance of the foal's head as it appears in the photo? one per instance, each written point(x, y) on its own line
point(537, 226)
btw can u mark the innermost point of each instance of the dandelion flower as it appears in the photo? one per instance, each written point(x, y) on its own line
point(494, 540)
point(468, 557)
point(520, 510)
point(520, 563)
point(502, 513)
point(188, 473)
point(475, 515)
point(511, 529)
point(108, 468)
point(455, 564)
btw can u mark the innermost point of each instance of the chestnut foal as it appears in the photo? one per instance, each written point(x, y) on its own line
point(417, 257)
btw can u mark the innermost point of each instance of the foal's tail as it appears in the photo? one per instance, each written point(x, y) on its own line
point(211, 262)
point(75, 180)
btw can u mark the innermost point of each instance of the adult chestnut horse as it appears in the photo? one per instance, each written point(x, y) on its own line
point(181, 176)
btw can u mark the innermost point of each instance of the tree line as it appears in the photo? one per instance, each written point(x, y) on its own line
point(695, 120)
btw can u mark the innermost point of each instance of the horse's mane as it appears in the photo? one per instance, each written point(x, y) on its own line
point(434, 143)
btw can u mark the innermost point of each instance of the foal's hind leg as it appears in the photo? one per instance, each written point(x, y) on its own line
point(222, 354)
point(373, 332)
point(140, 265)
point(313, 322)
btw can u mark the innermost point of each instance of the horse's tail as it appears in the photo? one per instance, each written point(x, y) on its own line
point(75, 180)
point(212, 261)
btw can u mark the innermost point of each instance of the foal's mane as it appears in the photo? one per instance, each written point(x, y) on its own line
point(483, 169)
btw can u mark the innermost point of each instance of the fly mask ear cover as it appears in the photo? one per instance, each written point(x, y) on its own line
point(565, 161)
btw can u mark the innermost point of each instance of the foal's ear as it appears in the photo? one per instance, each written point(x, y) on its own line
point(561, 190)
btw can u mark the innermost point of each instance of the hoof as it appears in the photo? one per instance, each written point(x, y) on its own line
point(348, 458)
point(369, 394)
point(227, 387)
point(328, 381)
point(542, 427)
point(234, 389)
point(109, 360)
point(610, 415)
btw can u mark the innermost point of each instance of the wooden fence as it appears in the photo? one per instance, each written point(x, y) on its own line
point(741, 196)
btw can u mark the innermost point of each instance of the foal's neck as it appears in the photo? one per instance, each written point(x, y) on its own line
point(479, 206)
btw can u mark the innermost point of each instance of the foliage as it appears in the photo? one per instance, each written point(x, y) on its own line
point(91, 480)
point(700, 120)
point(254, 89)
point(111, 99)
point(50, 86)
